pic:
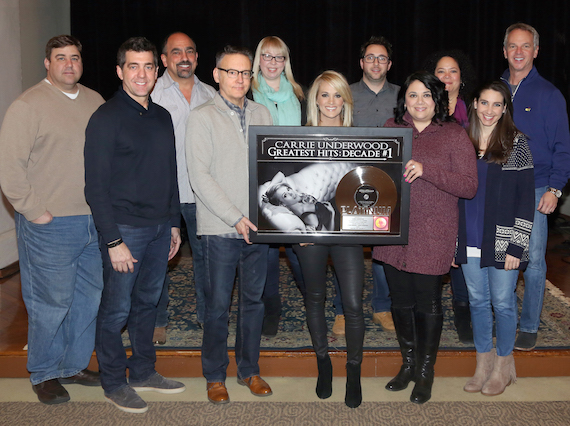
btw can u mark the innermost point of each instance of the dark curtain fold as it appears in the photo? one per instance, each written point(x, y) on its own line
point(325, 34)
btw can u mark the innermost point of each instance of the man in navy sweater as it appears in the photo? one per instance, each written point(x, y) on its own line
point(131, 186)
point(540, 113)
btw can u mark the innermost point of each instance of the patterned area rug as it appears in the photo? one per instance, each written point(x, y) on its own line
point(290, 413)
point(184, 333)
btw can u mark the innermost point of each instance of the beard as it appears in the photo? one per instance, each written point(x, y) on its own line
point(372, 77)
point(184, 72)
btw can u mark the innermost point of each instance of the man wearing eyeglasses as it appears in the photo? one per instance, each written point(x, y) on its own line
point(374, 97)
point(374, 101)
point(217, 156)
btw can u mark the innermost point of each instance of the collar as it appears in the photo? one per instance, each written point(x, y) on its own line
point(365, 86)
point(169, 81)
point(134, 104)
point(507, 74)
point(235, 107)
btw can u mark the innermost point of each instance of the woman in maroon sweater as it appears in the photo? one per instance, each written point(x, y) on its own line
point(442, 169)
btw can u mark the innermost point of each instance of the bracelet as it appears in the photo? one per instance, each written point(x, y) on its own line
point(115, 243)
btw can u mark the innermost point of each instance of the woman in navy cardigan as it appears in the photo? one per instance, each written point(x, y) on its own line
point(493, 247)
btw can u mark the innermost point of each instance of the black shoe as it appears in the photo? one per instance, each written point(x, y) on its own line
point(51, 392)
point(404, 321)
point(353, 396)
point(525, 341)
point(422, 389)
point(85, 378)
point(463, 322)
point(428, 329)
point(324, 382)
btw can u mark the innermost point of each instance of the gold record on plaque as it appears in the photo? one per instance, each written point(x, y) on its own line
point(366, 197)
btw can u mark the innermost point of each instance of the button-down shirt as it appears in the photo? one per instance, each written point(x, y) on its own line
point(239, 111)
point(373, 109)
point(167, 94)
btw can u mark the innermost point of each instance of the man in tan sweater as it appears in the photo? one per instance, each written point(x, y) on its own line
point(42, 175)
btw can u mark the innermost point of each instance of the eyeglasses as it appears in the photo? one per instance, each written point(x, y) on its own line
point(247, 74)
point(268, 58)
point(369, 59)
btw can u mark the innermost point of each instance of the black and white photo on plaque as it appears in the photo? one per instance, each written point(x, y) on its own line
point(329, 184)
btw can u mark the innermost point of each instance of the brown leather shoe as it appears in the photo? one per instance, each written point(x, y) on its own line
point(51, 392)
point(217, 393)
point(256, 385)
point(85, 378)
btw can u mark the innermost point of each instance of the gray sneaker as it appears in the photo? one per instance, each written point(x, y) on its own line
point(159, 384)
point(126, 399)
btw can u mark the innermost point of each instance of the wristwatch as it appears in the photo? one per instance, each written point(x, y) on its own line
point(557, 193)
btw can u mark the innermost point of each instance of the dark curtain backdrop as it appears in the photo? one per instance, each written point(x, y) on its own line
point(325, 34)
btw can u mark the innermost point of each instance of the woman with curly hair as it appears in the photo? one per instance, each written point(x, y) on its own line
point(454, 69)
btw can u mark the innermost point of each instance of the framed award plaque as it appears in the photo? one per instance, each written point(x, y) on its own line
point(334, 185)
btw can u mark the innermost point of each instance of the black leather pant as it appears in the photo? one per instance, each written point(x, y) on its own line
point(409, 290)
point(348, 262)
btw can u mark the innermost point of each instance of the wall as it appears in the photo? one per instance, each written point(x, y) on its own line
point(25, 26)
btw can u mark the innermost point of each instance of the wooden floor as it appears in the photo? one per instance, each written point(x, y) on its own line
point(13, 337)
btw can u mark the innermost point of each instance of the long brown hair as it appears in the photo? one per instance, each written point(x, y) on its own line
point(502, 138)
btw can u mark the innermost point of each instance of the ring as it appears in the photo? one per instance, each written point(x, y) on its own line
point(413, 166)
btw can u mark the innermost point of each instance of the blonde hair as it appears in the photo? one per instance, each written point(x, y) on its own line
point(277, 43)
point(339, 83)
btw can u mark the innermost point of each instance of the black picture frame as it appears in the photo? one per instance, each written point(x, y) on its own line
point(332, 185)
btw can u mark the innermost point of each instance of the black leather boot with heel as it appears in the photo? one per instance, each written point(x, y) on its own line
point(404, 321)
point(428, 328)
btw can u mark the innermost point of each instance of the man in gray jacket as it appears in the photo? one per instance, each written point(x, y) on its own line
point(217, 154)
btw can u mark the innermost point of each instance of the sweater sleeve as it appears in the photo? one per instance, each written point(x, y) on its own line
point(99, 150)
point(460, 179)
point(199, 154)
point(17, 138)
point(556, 127)
point(524, 209)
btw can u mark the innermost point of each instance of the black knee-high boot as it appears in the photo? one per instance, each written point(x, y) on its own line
point(428, 331)
point(324, 382)
point(404, 321)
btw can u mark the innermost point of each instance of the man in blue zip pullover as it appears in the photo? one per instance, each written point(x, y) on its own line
point(540, 113)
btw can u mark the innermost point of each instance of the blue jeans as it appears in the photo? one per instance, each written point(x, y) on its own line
point(381, 301)
point(535, 274)
point(189, 214)
point(491, 289)
point(62, 280)
point(222, 256)
point(130, 299)
point(272, 282)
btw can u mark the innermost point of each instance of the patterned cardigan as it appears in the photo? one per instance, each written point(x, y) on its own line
point(509, 210)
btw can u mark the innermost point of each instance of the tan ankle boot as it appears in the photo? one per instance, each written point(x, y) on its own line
point(485, 363)
point(503, 375)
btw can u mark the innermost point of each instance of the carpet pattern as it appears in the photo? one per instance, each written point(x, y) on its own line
point(183, 331)
point(302, 413)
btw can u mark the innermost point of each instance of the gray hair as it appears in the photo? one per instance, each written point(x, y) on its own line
point(524, 27)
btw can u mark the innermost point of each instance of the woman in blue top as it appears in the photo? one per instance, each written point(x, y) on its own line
point(494, 245)
point(274, 86)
